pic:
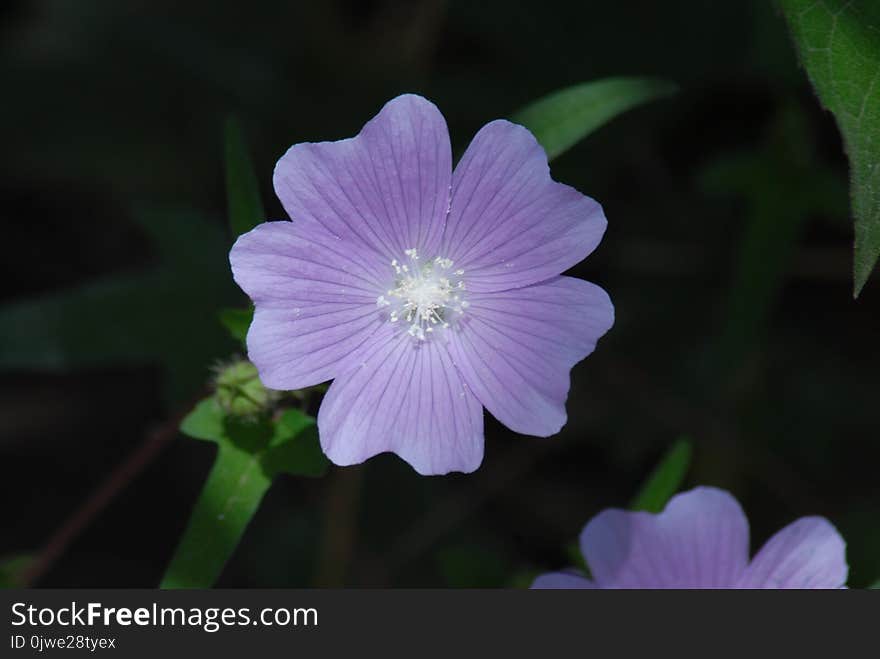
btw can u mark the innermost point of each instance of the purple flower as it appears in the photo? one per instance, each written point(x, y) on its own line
point(425, 294)
point(701, 540)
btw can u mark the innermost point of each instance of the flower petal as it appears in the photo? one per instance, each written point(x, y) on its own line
point(387, 188)
point(808, 553)
point(405, 397)
point(562, 580)
point(515, 348)
point(510, 224)
point(315, 301)
point(701, 540)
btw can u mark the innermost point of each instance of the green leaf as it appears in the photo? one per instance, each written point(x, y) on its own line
point(242, 190)
point(839, 45)
point(665, 480)
point(237, 322)
point(206, 421)
point(251, 453)
point(561, 119)
point(288, 444)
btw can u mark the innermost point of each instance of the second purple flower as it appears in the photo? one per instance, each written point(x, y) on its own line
point(425, 294)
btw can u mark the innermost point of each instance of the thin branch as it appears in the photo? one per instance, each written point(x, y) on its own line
point(117, 481)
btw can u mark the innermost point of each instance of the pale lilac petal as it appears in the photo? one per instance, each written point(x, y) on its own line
point(562, 580)
point(701, 540)
point(808, 553)
point(515, 348)
point(387, 188)
point(407, 398)
point(315, 301)
point(510, 224)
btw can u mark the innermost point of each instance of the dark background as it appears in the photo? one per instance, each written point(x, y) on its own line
point(727, 255)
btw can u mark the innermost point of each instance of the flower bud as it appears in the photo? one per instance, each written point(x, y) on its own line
point(240, 392)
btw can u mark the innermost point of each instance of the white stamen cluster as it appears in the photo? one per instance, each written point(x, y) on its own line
point(426, 295)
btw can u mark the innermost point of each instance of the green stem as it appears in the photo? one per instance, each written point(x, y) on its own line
point(228, 501)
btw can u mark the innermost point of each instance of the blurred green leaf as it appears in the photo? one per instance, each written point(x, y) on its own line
point(237, 322)
point(665, 480)
point(251, 452)
point(874, 586)
point(783, 186)
point(563, 118)
point(242, 189)
point(839, 45)
point(164, 315)
point(11, 570)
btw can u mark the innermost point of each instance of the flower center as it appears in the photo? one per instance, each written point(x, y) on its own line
point(427, 295)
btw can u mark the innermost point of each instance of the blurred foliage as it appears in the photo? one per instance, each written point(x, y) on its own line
point(11, 570)
point(764, 361)
point(165, 314)
point(783, 187)
point(839, 44)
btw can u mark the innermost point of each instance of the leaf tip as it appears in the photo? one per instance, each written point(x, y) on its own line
point(861, 273)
